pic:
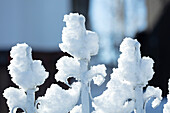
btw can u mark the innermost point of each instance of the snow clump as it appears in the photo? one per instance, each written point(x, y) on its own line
point(26, 72)
point(77, 41)
point(132, 67)
point(70, 67)
point(132, 71)
point(15, 98)
point(58, 100)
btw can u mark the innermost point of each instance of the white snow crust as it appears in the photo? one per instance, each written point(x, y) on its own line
point(58, 100)
point(77, 41)
point(77, 109)
point(15, 98)
point(25, 72)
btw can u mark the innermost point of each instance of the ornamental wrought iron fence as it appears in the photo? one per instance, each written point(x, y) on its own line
point(124, 93)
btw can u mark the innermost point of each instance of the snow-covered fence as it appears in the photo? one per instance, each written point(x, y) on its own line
point(81, 44)
point(27, 74)
point(124, 93)
point(125, 89)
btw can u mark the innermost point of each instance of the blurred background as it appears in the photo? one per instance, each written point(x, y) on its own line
point(39, 24)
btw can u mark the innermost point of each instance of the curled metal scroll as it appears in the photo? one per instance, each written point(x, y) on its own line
point(16, 107)
point(129, 100)
point(91, 97)
point(37, 102)
point(146, 101)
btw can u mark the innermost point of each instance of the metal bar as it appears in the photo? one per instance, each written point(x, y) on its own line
point(85, 87)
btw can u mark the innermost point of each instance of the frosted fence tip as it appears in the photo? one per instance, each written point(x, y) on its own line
point(76, 40)
point(25, 72)
point(20, 50)
point(74, 17)
point(131, 62)
point(129, 43)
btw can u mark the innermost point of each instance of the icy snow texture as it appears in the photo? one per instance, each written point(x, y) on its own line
point(25, 72)
point(77, 109)
point(15, 98)
point(167, 105)
point(153, 92)
point(70, 67)
point(58, 100)
point(78, 41)
point(116, 99)
point(131, 66)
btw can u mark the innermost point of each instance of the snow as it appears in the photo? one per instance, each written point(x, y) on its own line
point(114, 98)
point(166, 108)
point(67, 67)
point(26, 72)
point(77, 41)
point(81, 44)
point(77, 109)
point(70, 67)
point(153, 92)
point(97, 73)
point(11, 93)
point(124, 91)
point(127, 82)
point(58, 100)
point(132, 67)
point(158, 109)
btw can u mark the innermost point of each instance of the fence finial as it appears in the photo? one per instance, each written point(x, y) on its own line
point(27, 74)
point(125, 89)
